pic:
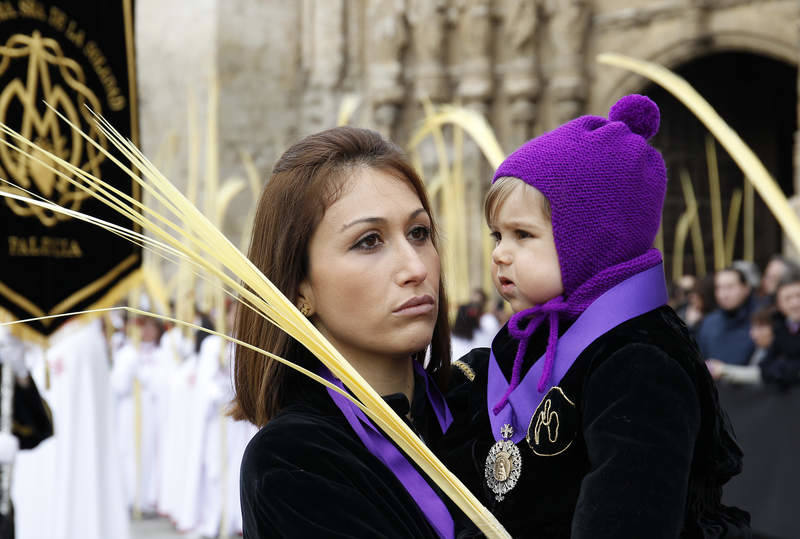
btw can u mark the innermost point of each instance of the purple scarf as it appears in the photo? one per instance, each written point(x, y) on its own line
point(570, 308)
point(634, 296)
point(426, 498)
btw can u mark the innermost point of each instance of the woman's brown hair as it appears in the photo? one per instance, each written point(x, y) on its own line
point(305, 181)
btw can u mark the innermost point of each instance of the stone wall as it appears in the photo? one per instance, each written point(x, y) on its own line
point(284, 67)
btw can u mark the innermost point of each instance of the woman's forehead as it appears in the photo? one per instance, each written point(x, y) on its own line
point(373, 191)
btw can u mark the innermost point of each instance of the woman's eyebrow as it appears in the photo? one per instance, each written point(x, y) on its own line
point(416, 212)
point(378, 220)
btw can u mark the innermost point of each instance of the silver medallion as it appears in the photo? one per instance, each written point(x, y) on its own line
point(503, 464)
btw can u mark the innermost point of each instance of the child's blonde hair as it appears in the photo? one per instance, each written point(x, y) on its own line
point(500, 190)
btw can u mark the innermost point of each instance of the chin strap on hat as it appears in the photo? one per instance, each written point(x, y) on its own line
point(534, 317)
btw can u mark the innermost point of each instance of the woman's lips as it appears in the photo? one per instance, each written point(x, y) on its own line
point(416, 306)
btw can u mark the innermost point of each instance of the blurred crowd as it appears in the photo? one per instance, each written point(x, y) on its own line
point(476, 323)
point(180, 453)
point(140, 431)
point(745, 321)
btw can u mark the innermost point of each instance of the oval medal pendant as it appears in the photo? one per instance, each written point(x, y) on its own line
point(503, 465)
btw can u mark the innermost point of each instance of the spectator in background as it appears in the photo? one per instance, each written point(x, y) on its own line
point(488, 324)
point(465, 330)
point(700, 302)
point(781, 365)
point(501, 313)
point(750, 271)
point(725, 333)
point(762, 335)
point(776, 269)
point(31, 419)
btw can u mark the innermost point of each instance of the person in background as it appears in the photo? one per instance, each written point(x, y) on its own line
point(762, 334)
point(501, 313)
point(465, 331)
point(725, 333)
point(488, 325)
point(679, 292)
point(31, 417)
point(776, 269)
point(700, 302)
point(781, 366)
point(750, 271)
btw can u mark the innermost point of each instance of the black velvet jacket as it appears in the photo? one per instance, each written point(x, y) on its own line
point(639, 448)
point(307, 474)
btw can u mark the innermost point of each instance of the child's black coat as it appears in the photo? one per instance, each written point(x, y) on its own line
point(643, 452)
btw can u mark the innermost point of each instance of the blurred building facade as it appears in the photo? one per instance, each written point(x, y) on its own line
point(283, 69)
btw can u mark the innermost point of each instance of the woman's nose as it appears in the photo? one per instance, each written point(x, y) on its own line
point(412, 266)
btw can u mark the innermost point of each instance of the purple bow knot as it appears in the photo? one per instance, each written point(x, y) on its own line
point(534, 317)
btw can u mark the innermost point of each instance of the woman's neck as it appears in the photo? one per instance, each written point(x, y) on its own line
point(386, 375)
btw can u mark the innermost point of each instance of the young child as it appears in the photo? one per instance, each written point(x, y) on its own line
point(762, 333)
point(781, 364)
point(592, 415)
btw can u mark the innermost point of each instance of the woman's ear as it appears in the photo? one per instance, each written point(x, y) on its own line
point(305, 298)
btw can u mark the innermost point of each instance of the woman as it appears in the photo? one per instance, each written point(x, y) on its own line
point(344, 230)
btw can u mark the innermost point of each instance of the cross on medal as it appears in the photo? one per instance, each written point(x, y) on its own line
point(507, 431)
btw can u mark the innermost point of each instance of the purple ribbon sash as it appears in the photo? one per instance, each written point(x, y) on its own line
point(634, 296)
point(426, 498)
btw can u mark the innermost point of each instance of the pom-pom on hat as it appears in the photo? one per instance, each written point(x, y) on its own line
point(605, 185)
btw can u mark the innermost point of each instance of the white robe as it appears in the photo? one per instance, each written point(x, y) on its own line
point(201, 414)
point(123, 374)
point(173, 480)
point(149, 373)
point(239, 435)
point(78, 469)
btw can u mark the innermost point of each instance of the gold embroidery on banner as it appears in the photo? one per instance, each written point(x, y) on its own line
point(545, 418)
point(60, 21)
point(49, 75)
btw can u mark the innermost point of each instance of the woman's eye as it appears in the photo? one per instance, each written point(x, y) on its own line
point(420, 233)
point(496, 237)
point(521, 234)
point(369, 242)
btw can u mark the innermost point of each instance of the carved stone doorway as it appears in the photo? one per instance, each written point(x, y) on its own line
point(757, 96)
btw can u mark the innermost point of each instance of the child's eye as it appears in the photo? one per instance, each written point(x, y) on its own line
point(496, 237)
point(420, 233)
point(369, 242)
point(521, 234)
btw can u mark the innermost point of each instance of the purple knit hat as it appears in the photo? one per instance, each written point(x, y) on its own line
point(606, 187)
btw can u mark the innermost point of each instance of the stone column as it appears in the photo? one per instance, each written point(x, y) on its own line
point(427, 21)
point(569, 29)
point(475, 85)
point(323, 45)
point(387, 39)
point(519, 72)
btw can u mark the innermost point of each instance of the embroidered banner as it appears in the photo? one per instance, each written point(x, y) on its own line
point(72, 55)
